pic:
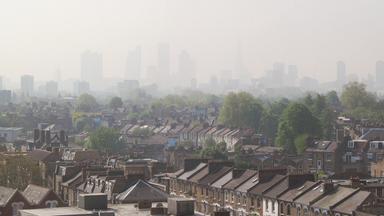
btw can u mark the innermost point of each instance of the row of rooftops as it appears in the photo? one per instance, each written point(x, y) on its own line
point(33, 194)
point(275, 184)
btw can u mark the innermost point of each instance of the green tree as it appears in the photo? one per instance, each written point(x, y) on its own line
point(355, 95)
point(296, 120)
point(213, 150)
point(241, 110)
point(115, 103)
point(106, 140)
point(86, 103)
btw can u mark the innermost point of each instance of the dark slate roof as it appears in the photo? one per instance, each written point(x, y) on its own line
point(351, 204)
point(199, 175)
point(250, 183)
point(142, 191)
point(35, 194)
point(260, 188)
point(278, 188)
point(188, 174)
point(219, 183)
point(234, 183)
point(5, 195)
point(290, 195)
point(310, 195)
point(207, 180)
point(335, 197)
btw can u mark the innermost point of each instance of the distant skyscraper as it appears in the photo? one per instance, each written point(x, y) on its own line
point(27, 85)
point(341, 73)
point(92, 67)
point(240, 69)
point(133, 67)
point(277, 75)
point(380, 74)
point(292, 75)
point(187, 68)
point(1, 83)
point(5, 97)
point(51, 88)
point(163, 62)
point(81, 87)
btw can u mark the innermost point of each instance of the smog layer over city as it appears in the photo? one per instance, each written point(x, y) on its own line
point(191, 107)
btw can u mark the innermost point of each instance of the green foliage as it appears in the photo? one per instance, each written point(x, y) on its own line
point(271, 116)
point(241, 110)
point(301, 142)
point(106, 140)
point(86, 103)
point(296, 120)
point(323, 111)
point(19, 171)
point(142, 132)
point(115, 103)
point(355, 95)
point(213, 150)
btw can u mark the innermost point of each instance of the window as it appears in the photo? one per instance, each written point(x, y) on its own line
point(288, 210)
point(379, 192)
point(298, 211)
point(252, 201)
point(282, 209)
point(244, 200)
point(273, 206)
point(351, 144)
point(258, 202)
point(226, 196)
point(266, 205)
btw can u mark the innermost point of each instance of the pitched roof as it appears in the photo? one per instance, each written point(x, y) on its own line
point(234, 183)
point(207, 180)
point(309, 196)
point(5, 195)
point(351, 204)
point(333, 198)
point(248, 184)
point(188, 174)
point(219, 183)
point(35, 194)
point(290, 195)
point(260, 188)
point(40, 155)
point(199, 175)
point(142, 191)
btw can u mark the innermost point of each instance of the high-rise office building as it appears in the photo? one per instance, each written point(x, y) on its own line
point(341, 73)
point(51, 89)
point(92, 67)
point(5, 96)
point(163, 65)
point(186, 68)
point(27, 85)
point(81, 87)
point(292, 75)
point(1, 83)
point(133, 66)
point(380, 74)
point(240, 69)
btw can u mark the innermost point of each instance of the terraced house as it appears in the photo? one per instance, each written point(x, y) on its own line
point(217, 186)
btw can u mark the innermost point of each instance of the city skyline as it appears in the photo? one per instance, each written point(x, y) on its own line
point(312, 36)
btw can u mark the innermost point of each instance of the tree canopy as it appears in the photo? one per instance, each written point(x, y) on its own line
point(241, 110)
point(86, 103)
point(105, 139)
point(115, 103)
point(297, 120)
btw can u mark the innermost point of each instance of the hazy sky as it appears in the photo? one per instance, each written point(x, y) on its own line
point(38, 36)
